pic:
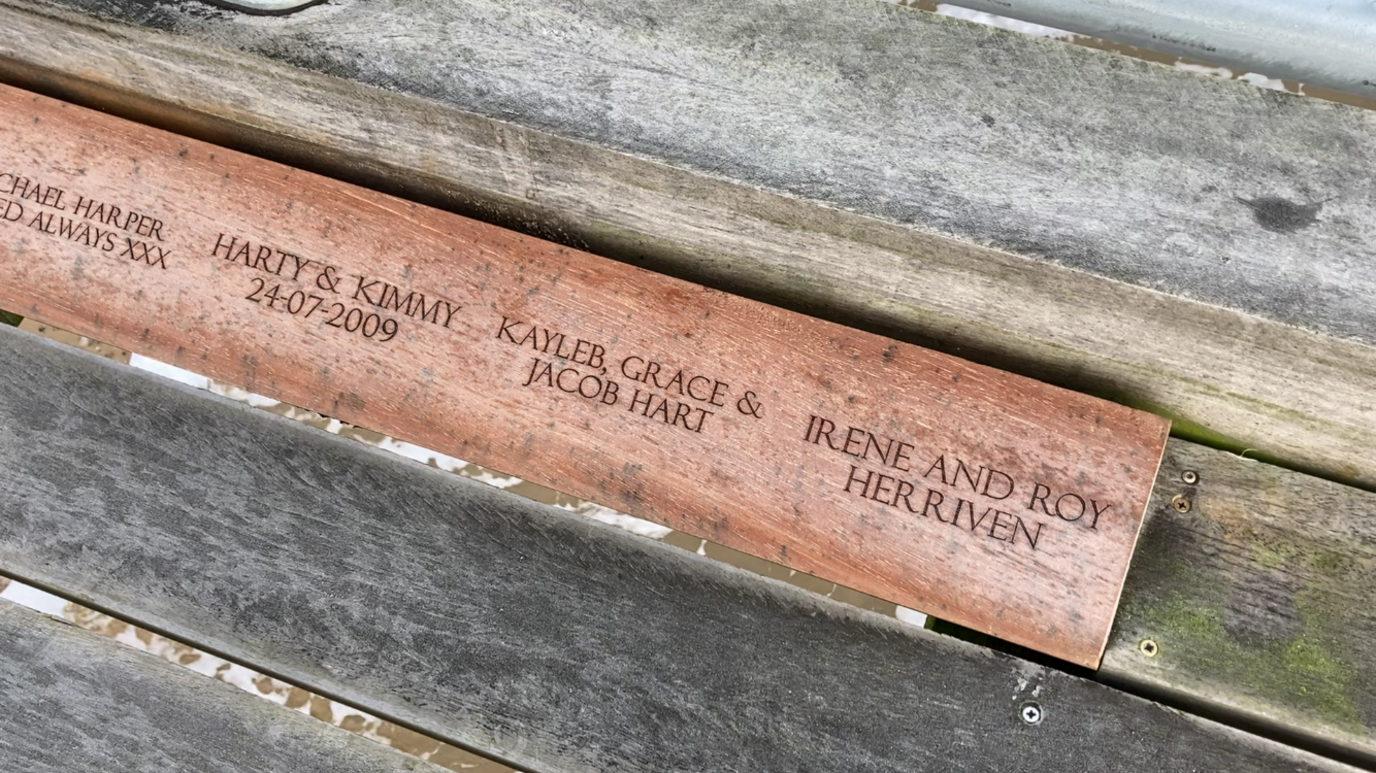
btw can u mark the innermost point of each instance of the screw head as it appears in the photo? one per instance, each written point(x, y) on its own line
point(1031, 713)
point(1149, 648)
point(1181, 503)
point(1190, 477)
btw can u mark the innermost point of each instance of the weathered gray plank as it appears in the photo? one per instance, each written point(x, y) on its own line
point(822, 166)
point(72, 701)
point(1261, 597)
point(551, 642)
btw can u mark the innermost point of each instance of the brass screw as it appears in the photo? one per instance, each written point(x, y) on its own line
point(1190, 477)
point(1181, 503)
point(1149, 648)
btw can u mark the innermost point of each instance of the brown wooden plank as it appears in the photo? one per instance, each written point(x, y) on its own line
point(989, 499)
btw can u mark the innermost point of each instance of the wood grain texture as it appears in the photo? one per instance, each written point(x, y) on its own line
point(839, 211)
point(1261, 597)
point(73, 701)
point(555, 643)
point(904, 473)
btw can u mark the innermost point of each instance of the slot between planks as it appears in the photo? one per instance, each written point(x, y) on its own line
point(75, 701)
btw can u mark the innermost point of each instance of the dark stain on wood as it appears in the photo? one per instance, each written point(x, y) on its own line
point(1282, 215)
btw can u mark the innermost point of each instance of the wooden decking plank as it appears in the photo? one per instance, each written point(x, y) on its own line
point(1260, 596)
point(848, 218)
point(1162, 178)
point(901, 472)
point(72, 701)
point(554, 643)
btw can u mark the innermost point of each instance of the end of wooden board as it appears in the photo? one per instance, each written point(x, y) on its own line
point(988, 499)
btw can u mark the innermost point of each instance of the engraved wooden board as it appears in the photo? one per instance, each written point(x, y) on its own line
point(984, 498)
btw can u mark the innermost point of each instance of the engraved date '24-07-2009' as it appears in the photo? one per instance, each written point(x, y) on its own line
point(312, 288)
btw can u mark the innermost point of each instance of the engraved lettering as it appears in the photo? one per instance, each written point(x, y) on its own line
point(1098, 511)
point(905, 490)
point(872, 443)
point(571, 381)
point(298, 263)
point(505, 330)
point(698, 388)
point(539, 370)
point(14, 211)
point(295, 302)
point(939, 464)
point(999, 515)
point(824, 428)
point(327, 279)
point(660, 408)
point(228, 246)
point(449, 311)
point(79, 232)
point(706, 385)
point(749, 405)
point(931, 506)
point(882, 481)
point(128, 220)
point(43, 221)
point(151, 254)
point(718, 397)
point(559, 382)
point(364, 285)
point(967, 515)
point(1005, 482)
point(962, 470)
point(1066, 504)
point(852, 439)
point(855, 478)
point(982, 485)
point(1039, 494)
point(971, 507)
point(609, 394)
point(1031, 537)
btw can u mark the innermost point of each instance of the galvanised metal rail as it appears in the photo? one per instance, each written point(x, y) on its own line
point(1328, 43)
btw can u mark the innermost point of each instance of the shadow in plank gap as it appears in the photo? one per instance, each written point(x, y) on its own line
point(264, 7)
point(538, 493)
point(510, 483)
point(79, 341)
point(250, 681)
point(317, 706)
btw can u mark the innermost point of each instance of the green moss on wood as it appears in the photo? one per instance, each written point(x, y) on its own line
point(1301, 672)
point(1271, 559)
